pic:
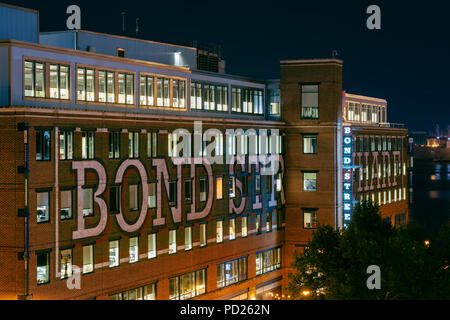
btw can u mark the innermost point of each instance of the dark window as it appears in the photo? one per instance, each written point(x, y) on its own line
point(121, 53)
point(400, 219)
point(173, 193)
point(114, 199)
point(202, 188)
point(188, 191)
point(114, 145)
point(43, 145)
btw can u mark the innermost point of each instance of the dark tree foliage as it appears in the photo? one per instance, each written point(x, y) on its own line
point(413, 262)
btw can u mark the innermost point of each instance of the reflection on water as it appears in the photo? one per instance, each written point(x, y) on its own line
point(431, 194)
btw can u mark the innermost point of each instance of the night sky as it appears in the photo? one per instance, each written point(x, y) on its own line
point(406, 62)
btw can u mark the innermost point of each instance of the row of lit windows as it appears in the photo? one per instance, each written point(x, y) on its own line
point(43, 196)
point(209, 97)
point(193, 284)
point(247, 100)
point(237, 145)
point(365, 144)
point(46, 80)
point(385, 197)
point(383, 171)
point(115, 87)
point(182, 287)
point(364, 113)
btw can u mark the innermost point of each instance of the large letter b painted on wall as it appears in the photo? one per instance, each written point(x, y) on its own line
point(80, 167)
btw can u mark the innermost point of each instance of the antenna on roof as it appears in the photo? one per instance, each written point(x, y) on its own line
point(137, 26)
point(123, 22)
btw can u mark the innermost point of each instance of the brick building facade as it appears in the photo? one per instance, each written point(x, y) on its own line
point(90, 181)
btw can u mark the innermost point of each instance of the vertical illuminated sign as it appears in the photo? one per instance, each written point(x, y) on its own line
point(347, 164)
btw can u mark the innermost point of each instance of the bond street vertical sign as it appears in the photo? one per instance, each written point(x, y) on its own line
point(347, 176)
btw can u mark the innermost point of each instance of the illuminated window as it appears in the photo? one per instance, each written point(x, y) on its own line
point(219, 231)
point(222, 98)
point(59, 82)
point(310, 144)
point(310, 181)
point(66, 263)
point(268, 261)
point(258, 184)
point(66, 204)
point(274, 100)
point(152, 246)
point(142, 293)
point(88, 202)
point(236, 99)
point(147, 91)
point(178, 94)
point(187, 286)
point(87, 145)
point(187, 238)
point(34, 78)
point(43, 209)
point(269, 222)
point(65, 145)
point(126, 88)
point(231, 272)
point(43, 268)
point(172, 241)
point(278, 182)
point(310, 218)
point(106, 87)
point(166, 92)
point(203, 235)
point(152, 144)
point(114, 258)
point(151, 195)
point(133, 145)
point(232, 187)
point(219, 188)
point(258, 223)
point(85, 84)
point(244, 227)
point(88, 259)
point(133, 197)
point(310, 101)
point(134, 249)
point(232, 229)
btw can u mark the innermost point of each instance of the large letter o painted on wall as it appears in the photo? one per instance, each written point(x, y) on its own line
point(119, 177)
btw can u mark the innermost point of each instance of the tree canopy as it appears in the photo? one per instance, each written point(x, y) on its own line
point(414, 263)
